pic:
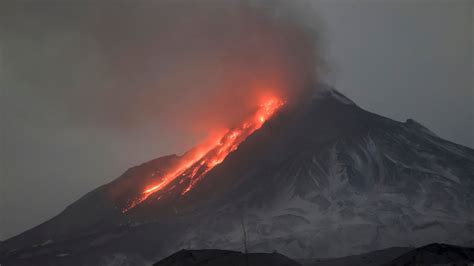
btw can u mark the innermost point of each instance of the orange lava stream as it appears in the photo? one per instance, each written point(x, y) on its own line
point(194, 165)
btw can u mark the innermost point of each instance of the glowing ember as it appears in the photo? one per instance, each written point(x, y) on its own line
point(195, 164)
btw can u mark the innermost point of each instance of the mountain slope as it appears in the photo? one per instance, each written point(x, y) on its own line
point(322, 179)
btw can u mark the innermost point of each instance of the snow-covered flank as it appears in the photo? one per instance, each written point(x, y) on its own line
point(326, 180)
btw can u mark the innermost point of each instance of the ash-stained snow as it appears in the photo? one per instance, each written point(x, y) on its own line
point(325, 180)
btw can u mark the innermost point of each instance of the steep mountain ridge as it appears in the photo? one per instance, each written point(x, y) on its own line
point(322, 179)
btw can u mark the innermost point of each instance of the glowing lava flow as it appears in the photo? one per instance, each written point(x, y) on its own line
point(198, 162)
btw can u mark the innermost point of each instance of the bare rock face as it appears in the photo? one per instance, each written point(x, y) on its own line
point(322, 178)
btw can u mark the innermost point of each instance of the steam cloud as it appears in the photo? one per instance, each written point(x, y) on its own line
point(187, 65)
point(200, 65)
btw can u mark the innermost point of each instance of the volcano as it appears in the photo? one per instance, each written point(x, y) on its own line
point(322, 178)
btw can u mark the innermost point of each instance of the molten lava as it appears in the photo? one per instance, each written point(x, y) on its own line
point(195, 164)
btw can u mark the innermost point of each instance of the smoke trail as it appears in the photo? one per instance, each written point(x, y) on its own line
point(205, 64)
point(188, 66)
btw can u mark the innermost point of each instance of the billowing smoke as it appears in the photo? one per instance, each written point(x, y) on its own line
point(199, 65)
point(191, 65)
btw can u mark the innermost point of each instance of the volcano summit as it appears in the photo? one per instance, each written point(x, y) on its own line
point(323, 178)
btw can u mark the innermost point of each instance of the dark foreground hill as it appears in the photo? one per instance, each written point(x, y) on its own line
point(374, 258)
point(436, 254)
point(214, 257)
point(432, 254)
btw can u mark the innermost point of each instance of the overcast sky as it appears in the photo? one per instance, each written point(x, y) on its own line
point(60, 139)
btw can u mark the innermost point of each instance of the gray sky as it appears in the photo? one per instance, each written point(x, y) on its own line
point(65, 132)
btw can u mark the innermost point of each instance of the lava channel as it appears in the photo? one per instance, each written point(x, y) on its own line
point(195, 164)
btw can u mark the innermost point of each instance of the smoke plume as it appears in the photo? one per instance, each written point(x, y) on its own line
point(188, 65)
point(199, 65)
